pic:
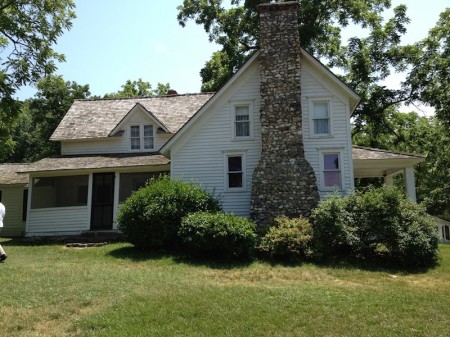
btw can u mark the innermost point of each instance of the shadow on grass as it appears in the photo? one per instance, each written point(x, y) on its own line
point(134, 254)
point(29, 242)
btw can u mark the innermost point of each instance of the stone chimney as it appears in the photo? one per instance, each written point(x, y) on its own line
point(284, 182)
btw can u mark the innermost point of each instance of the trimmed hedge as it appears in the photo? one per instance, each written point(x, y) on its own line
point(218, 235)
point(151, 216)
point(287, 240)
point(381, 224)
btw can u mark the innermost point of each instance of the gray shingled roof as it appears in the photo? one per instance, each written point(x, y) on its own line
point(9, 175)
point(367, 153)
point(97, 118)
point(92, 162)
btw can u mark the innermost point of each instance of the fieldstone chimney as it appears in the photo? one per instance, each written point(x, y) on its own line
point(284, 182)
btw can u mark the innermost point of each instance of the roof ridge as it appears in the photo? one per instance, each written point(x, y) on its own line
point(141, 97)
point(389, 151)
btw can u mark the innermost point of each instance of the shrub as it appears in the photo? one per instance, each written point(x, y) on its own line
point(287, 240)
point(218, 234)
point(151, 216)
point(380, 224)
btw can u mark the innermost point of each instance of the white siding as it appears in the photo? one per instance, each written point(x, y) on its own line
point(12, 198)
point(202, 156)
point(200, 153)
point(116, 144)
point(312, 88)
point(58, 220)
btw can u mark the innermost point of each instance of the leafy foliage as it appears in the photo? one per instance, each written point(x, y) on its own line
point(381, 224)
point(139, 88)
point(218, 234)
point(287, 240)
point(151, 216)
point(28, 31)
point(414, 134)
point(41, 115)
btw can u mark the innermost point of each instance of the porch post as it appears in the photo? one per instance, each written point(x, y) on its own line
point(389, 180)
point(410, 183)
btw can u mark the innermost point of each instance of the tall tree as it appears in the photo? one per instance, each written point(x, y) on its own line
point(430, 75)
point(139, 88)
point(40, 117)
point(28, 31)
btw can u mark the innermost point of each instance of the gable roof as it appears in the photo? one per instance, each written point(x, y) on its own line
point(97, 118)
point(9, 175)
point(325, 72)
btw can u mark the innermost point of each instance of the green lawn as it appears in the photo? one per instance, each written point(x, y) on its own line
point(51, 290)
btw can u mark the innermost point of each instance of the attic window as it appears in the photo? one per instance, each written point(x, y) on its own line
point(321, 118)
point(242, 115)
point(141, 137)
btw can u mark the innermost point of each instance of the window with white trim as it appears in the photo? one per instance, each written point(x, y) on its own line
point(141, 137)
point(242, 125)
point(235, 177)
point(321, 117)
point(331, 170)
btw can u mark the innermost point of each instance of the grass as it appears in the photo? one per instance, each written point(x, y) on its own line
point(51, 290)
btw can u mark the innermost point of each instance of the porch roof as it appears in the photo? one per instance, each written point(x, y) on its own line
point(9, 175)
point(370, 162)
point(97, 162)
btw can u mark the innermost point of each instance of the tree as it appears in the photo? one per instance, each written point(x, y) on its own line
point(28, 30)
point(40, 117)
point(139, 88)
point(430, 74)
point(414, 134)
point(235, 28)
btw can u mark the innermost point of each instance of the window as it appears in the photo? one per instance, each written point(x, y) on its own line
point(235, 172)
point(321, 118)
point(242, 124)
point(67, 191)
point(331, 171)
point(446, 232)
point(242, 121)
point(146, 142)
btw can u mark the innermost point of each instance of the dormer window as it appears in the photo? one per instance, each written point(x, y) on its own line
point(141, 137)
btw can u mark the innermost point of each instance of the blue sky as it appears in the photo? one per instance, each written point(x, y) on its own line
point(113, 41)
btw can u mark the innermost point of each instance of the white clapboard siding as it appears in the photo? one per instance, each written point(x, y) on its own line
point(57, 220)
point(116, 144)
point(12, 198)
point(313, 88)
point(201, 155)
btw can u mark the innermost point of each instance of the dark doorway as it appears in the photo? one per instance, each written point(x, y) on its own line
point(102, 201)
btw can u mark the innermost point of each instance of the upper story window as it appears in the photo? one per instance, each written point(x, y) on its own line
point(242, 114)
point(321, 117)
point(141, 137)
point(331, 170)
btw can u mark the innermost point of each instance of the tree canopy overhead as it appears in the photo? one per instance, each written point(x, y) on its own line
point(28, 31)
point(366, 59)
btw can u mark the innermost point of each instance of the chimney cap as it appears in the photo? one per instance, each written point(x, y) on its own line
point(278, 6)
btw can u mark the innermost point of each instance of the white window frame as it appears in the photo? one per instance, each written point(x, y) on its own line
point(322, 153)
point(312, 102)
point(243, 172)
point(142, 138)
point(235, 105)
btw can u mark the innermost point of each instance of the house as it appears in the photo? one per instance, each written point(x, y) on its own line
point(274, 140)
point(14, 195)
point(443, 230)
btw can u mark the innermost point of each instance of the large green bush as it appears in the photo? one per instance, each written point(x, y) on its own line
point(151, 216)
point(218, 235)
point(287, 240)
point(381, 223)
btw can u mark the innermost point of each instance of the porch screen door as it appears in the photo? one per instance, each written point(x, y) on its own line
point(102, 201)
